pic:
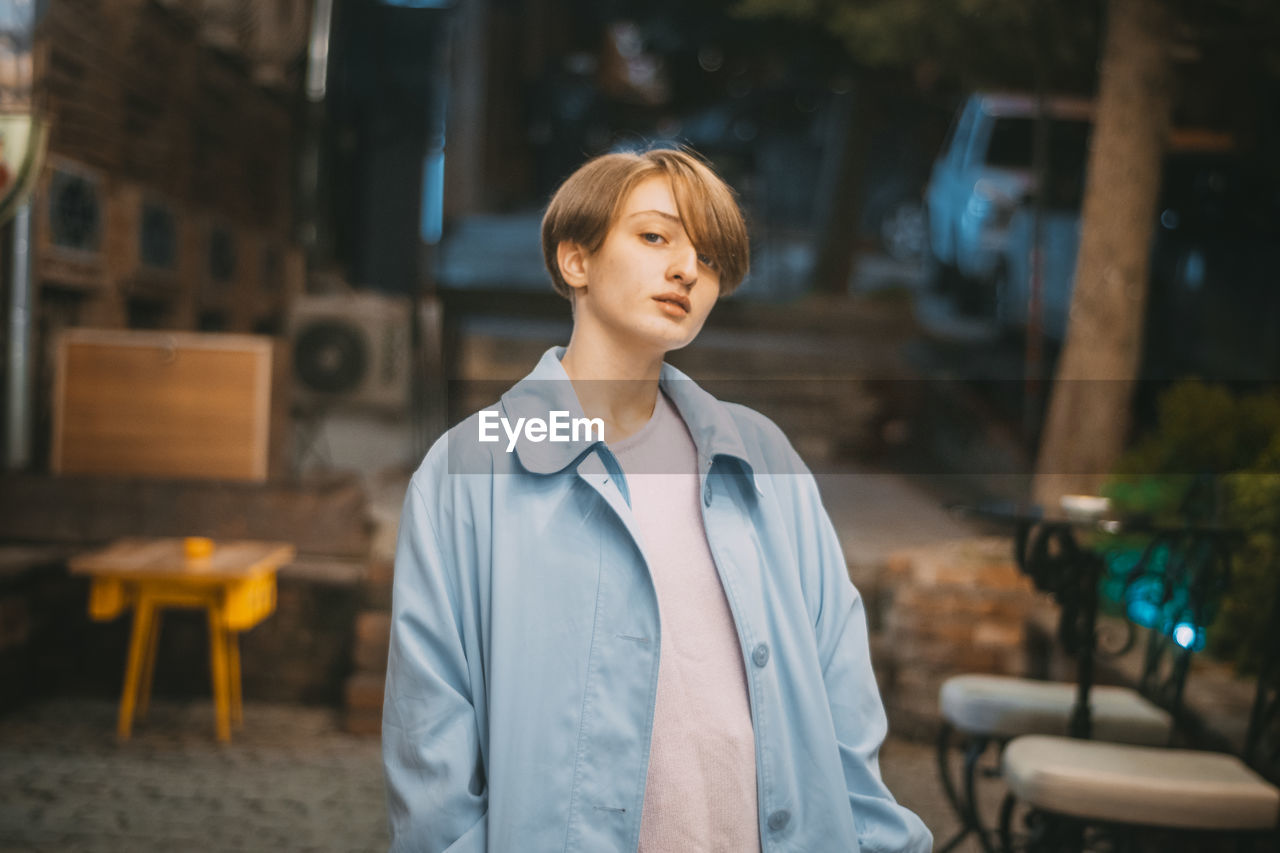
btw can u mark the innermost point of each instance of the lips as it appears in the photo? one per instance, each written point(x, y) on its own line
point(675, 299)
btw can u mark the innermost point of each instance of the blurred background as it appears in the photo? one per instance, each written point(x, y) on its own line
point(257, 256)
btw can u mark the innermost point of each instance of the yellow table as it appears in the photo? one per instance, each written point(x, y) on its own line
point(235, 583)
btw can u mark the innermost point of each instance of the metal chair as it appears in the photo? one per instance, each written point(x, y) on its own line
point(1085, 795)
point(985, 710)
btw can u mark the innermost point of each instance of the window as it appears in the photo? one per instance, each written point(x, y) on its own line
point(1012, 144)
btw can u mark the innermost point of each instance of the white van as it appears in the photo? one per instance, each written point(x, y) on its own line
point(984, 170)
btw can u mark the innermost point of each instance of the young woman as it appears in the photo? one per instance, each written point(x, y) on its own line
point(621, 616)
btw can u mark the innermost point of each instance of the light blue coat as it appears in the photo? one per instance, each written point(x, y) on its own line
point(525, 639)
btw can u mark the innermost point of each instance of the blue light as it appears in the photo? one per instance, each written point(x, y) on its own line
point(1144, 600)
point(1143, 613)
point(1188, 636)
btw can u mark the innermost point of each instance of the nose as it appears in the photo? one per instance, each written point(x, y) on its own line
point(684, 266)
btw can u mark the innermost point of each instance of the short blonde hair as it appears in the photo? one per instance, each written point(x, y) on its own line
point(588, 203)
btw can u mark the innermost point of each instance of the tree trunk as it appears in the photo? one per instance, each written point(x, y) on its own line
point(1089, 410)
point(838, 218)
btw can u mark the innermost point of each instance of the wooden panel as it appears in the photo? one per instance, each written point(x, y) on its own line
point(162, 404)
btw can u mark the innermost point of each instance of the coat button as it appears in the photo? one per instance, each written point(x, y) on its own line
point(778, 820)
point(760, 654)
point(706, 494)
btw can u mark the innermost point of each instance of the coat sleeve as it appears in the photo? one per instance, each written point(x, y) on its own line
point(840, 627)
point(436, 789)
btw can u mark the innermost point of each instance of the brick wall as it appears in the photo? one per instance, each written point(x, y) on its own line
point(947, 609)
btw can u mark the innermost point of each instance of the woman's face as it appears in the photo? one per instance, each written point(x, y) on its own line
point(647, 287)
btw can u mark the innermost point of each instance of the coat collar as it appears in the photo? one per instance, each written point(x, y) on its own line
point(548, 388)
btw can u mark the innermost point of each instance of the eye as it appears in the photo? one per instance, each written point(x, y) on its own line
point(707, 261)
point(652, 238)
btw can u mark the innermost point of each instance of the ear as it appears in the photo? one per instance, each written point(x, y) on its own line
point(573, 259)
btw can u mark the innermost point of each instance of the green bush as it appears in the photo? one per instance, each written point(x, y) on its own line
point(1215, 457)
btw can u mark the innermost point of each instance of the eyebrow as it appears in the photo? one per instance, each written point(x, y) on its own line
point(664, 215)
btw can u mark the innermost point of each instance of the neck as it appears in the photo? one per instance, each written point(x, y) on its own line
point(613, 384)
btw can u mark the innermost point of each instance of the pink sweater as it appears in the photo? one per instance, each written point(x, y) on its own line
point(701, 789)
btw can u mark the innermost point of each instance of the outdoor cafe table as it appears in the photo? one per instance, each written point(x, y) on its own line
point(234, 582)
point(1062, 555)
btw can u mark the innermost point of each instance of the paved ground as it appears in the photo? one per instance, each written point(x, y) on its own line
point(290, 781)
point(876, 514)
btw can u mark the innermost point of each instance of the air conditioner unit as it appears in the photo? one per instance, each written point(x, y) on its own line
point(351, 350)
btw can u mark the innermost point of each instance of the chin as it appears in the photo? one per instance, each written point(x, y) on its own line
point(672, 339)
point(672, 346)
point(657, 338)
